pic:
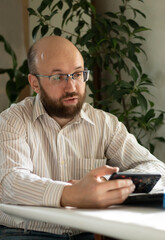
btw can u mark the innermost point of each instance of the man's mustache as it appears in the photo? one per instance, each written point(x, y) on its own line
point(69, 95)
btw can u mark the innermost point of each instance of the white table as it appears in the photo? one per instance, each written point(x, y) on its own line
point(122, 222)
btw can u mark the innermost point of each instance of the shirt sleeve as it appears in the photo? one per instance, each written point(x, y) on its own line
point(18, 183)
point(126, 153)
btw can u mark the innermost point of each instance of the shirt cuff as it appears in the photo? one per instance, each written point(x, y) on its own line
point(53, 193)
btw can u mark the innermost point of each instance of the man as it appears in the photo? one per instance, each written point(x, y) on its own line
point(55, 149)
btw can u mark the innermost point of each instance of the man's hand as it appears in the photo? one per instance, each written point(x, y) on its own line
point(92, 192)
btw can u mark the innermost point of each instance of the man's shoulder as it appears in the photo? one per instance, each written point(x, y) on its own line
point(20, 109)
point(95, 113)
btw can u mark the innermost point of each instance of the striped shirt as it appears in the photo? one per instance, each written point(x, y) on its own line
point(38, 157)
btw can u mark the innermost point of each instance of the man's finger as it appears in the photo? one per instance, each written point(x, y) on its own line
point(104, 170)
point(116, 196)
point(116, 184)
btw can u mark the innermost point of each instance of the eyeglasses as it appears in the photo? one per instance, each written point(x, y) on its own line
point(81, 76)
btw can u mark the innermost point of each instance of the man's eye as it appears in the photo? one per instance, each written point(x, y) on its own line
point(78, 74)
point(55, 77)
point(63, 77)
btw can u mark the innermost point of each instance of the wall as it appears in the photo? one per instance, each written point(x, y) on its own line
point(13, 29)
point(154, 47)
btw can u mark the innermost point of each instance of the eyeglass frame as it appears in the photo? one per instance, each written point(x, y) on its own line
point(67, 75)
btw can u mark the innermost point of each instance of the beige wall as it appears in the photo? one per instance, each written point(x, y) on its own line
point(12, 27)
point(154, 46)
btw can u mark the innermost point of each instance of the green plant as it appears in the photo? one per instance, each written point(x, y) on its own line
point(17, 75)
point(109, 42)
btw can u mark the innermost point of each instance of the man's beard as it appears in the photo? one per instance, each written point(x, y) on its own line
point(55, 108)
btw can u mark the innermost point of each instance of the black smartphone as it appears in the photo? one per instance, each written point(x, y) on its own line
point(143, 182)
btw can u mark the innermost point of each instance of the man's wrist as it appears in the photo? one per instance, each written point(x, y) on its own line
point(66, 196)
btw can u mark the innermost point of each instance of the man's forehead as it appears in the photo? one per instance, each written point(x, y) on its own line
point(56, 49)
point(54, 43)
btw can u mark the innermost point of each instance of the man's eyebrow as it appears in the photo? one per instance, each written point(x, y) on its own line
point(56, 70)
point(60, 71)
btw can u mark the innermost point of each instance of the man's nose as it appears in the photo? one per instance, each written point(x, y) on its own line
point(70, 84)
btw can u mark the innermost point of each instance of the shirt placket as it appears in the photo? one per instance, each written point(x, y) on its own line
point(61, 149)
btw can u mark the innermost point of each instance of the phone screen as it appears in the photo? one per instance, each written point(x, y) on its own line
point(143, 182)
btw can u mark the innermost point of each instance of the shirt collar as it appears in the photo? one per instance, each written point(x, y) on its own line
point(84, 115)
point(38, 109)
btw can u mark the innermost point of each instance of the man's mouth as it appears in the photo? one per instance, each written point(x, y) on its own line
point(71, 100)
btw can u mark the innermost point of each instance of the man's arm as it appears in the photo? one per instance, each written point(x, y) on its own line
point(125, 152)
point(18, 183)
point(92, 192)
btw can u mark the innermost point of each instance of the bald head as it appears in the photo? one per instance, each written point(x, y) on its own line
point(55, 48)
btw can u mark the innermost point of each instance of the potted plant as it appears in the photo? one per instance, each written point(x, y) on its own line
point(110, 44)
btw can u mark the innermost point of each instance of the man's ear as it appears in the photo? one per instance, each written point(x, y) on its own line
point(34, 83)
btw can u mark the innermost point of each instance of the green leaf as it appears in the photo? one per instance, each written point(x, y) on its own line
point(134, 59)
point(151, 104)
point(142, 101)
point(131, 49)
point(93, 9)
point(138, 11)
point(11, 90)
point(65, 15)
point(125, 84)
point(133, 24)
point(2, 71)
point(123, 19)
point(114, 42)
point(134, 74)
point(44, 30)
point(159, 120)
point(24, 67)
point(53, 13)
point(35, 31)
point(122, 9)
point(47, 17)
point(111, 15)
point(145, 80)
point(134, 101)
point(87, 37)
point(57, 31)
point(150, 114)
point(9, 50)
point(21, 80)
point(79, 26)
point(160, 139)
point(60, 5)
point(9, 71)
point(140, 37)
point(43, 5)
point(32, 12)
point(151, 148)
point(69, 38)
point(141, 29)
point(69, 2)
point(50, 3)
point(122, 28)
